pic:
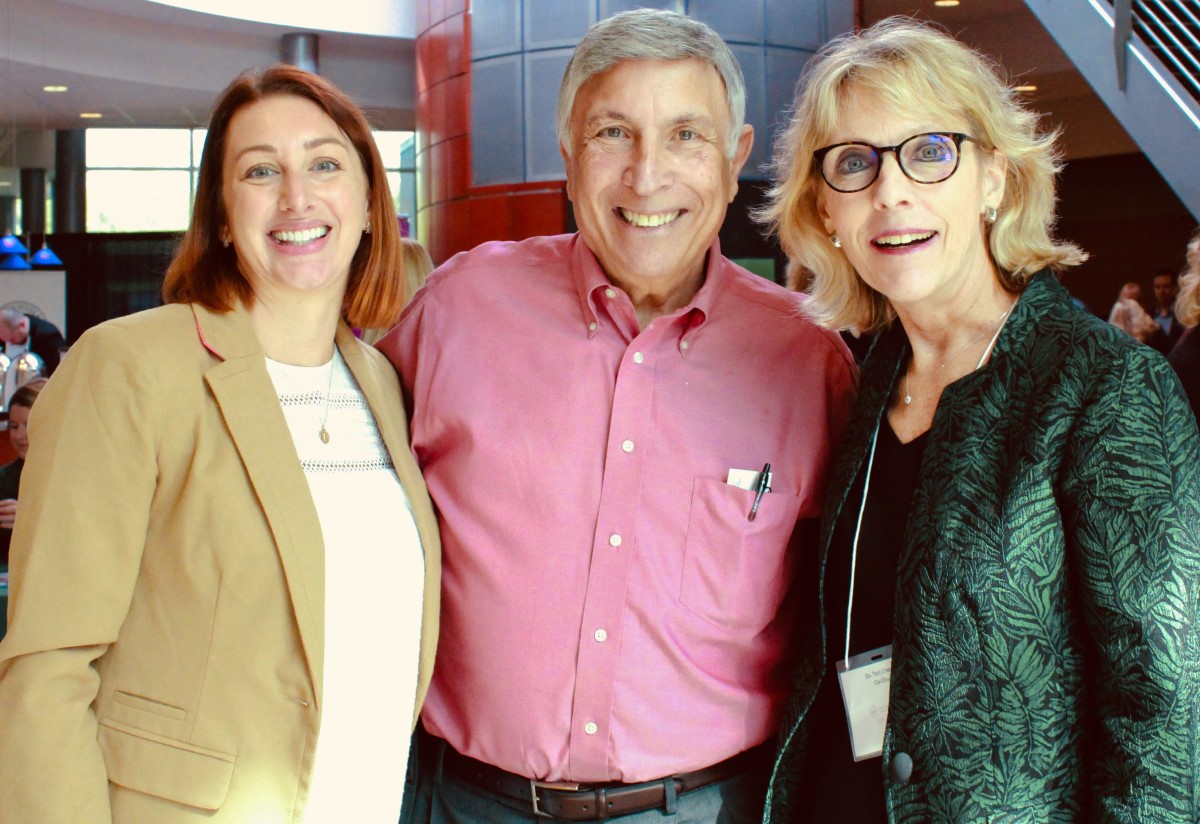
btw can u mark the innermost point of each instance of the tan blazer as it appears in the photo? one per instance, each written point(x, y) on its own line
point(163, 661)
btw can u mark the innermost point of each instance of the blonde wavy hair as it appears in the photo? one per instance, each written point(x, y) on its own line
point(1187, 302)
point(909, 66)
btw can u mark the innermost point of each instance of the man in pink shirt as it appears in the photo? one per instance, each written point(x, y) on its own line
point(593, 414)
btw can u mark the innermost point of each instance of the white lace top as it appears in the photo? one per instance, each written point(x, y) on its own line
point(374, 586)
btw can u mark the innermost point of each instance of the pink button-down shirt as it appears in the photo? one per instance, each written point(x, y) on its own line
point(609, 611)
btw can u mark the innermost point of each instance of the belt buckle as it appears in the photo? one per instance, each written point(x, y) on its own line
point(535, 785)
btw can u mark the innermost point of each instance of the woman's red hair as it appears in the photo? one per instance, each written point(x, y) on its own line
point(205, 272)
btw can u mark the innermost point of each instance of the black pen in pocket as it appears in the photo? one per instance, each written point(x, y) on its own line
point(764, 486)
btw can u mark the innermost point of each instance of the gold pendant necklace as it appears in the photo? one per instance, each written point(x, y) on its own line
point(302, 394)
point(323, 434)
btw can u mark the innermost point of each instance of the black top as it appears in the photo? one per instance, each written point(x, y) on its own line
point(46, 342)
point(1164, 340)
point(833, 786)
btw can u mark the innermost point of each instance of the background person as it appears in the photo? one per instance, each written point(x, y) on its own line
point(1185, 356)
point(417, 266)
point(1128, 315)
point(614, 617)
point(1166, 288)
point(26, 333)
point(223, 622)
point(1017, 485)
point(10, 473)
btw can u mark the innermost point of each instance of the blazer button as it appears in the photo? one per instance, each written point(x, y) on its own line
point(901, 768)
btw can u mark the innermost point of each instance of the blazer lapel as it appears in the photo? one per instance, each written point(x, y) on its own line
point(250, 407)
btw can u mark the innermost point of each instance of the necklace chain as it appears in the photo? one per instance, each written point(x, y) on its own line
point(322, 430)
point(997, 324)
point(323, 434)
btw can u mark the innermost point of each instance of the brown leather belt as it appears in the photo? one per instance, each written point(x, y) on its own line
point(595, 802)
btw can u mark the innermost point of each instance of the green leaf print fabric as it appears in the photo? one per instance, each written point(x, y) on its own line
point(1046, 657)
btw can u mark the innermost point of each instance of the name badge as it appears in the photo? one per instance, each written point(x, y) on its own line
point(865, 680)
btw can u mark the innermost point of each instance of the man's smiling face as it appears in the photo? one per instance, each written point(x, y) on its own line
point(648, 170)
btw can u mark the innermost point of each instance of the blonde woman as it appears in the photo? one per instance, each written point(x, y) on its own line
point(1185, 357)
point(1011, 539)
point(1128, 315)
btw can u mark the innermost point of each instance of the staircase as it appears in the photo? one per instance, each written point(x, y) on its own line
point(1142, 57)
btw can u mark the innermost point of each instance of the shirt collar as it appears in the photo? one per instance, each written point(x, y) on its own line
point(590, 278)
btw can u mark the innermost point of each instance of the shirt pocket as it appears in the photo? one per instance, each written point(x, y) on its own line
point(736, 571)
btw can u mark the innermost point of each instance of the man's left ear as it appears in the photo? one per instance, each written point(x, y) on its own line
point(995, 176)
point(744, 144)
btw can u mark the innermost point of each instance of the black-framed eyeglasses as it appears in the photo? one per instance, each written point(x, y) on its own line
point(929, 157)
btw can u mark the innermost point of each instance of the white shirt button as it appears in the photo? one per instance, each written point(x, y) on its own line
point(683, 345)
point(592, 326)
point(590, 728)
point(627, 446)
point(614, 539)
point(638, 357)
point(601, 635)
point(610, 293)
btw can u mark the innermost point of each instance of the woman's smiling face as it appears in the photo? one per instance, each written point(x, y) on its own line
point(913, 241)
point(295, 195)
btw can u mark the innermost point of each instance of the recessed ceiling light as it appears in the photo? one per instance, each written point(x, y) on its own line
point(54, 88)
point(1029, 87)
point(91, 115)
point(945, 3)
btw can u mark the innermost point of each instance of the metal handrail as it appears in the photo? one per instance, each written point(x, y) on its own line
point(1170, 30)
point(1175, 53)
point(1157, 15)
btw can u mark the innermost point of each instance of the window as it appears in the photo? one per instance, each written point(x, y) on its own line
point(399, 152)
point(138, 200)
point(141, 180)
point(144, 180)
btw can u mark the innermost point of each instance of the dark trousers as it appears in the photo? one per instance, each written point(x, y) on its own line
point(434, 796)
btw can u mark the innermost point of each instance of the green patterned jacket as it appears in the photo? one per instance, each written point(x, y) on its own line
point(1047, 650)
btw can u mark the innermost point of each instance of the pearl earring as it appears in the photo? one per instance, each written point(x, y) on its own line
point(836, 241)
point(989, 215)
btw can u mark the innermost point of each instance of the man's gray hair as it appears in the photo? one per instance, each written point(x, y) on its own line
point(651, 34)
point(11, 318)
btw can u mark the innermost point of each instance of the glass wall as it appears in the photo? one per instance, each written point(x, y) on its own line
point(144, 180)
point(399, 152)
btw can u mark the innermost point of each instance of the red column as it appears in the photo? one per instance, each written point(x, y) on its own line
point(453, 214)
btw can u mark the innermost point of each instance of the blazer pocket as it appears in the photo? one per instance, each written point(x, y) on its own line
point(149, 705)
point(165, 768)
point(736, 571)
point(127, 709)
